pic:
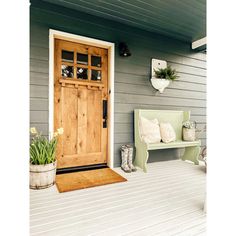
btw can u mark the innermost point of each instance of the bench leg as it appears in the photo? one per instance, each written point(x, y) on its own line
point(141, 158)
point(192, 154)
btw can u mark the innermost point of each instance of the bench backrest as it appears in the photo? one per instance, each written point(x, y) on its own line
point(175, 118)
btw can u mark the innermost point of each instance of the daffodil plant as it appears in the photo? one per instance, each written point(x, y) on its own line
point(43, 150)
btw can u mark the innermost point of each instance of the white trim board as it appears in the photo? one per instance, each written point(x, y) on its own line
point(198, 43)
point(111, 65)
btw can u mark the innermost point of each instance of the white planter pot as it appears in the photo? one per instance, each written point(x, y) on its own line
point(189, 134)
point(42, 176)
point(160, 84)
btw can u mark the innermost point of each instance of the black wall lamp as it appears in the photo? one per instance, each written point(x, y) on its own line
point(124, 51)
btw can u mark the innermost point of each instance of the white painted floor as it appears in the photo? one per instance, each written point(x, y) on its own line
point(168, 200)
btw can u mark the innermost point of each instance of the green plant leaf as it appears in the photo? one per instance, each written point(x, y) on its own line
point(42, 150)
point(166, 73)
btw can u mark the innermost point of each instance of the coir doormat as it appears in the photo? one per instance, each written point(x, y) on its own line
point(87, 179)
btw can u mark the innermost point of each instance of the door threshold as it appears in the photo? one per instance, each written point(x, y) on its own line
point(81, 168)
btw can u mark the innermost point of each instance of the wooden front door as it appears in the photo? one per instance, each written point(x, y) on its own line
point(80, 103)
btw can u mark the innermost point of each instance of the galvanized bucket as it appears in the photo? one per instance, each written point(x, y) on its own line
point(42, 176)
point(189, 134)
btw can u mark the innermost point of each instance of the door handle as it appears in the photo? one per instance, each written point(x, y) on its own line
point(104, 113)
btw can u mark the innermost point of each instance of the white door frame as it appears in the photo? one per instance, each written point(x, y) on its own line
point(111, 62)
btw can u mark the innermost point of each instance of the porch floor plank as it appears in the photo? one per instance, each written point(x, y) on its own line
point(168, 200)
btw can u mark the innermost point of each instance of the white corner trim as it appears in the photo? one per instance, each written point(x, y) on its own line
point(51, 83)
point(111, 74)
point(199, 43)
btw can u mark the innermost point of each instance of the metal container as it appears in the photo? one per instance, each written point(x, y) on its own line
point(189, 134)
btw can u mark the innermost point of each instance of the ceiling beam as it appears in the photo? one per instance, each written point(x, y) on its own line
point(199, 43)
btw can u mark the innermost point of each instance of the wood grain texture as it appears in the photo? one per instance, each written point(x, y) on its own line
point(69, 110)
point(132, 86)
point(57, 100)
point(78, 108)
point(82, 159)
point(94, 125)
point(87, 179)
point(82, 120)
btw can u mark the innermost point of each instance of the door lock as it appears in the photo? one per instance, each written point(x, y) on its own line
point(104, 113)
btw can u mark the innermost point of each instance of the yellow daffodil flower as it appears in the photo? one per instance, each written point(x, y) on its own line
point(60, 131)
point(33, 130)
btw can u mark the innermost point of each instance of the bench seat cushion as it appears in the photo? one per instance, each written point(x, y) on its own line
point(176, 144)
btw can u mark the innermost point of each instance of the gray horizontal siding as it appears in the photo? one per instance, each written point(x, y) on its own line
point(128, 118)
point(142, 79)
point(158, 100)
point(38, 91)
point(38, 104)
point(38, 78)
point(132, 86)
point(128, 108)
point(40, 117)
point(171, 91)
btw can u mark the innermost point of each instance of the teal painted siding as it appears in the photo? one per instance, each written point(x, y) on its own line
point(187, 21)
point(132, 86)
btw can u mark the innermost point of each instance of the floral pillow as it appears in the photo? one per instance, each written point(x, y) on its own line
point(167, 133)
point(149, 130)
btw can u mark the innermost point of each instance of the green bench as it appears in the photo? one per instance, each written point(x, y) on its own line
point(175, 118)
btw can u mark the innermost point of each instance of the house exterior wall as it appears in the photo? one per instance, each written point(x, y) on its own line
point(132, 85)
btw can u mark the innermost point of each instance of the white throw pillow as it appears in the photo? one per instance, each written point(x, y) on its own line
point(149, 130)
point(167, 133)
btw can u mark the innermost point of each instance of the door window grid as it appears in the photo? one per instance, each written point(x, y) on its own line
point(83, 66)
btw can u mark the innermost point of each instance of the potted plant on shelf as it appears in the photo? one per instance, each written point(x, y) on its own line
point(43, 159)
point(162, 78)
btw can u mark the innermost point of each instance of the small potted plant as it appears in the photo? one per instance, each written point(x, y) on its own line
point(43, 159)
point(189, 130)
point(162, 78)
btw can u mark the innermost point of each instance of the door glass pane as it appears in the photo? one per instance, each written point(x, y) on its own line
point(67, 56)
point(96, 75)
point(96, 61)
point(67, 71)
point(82, 59)
point(82, 73)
